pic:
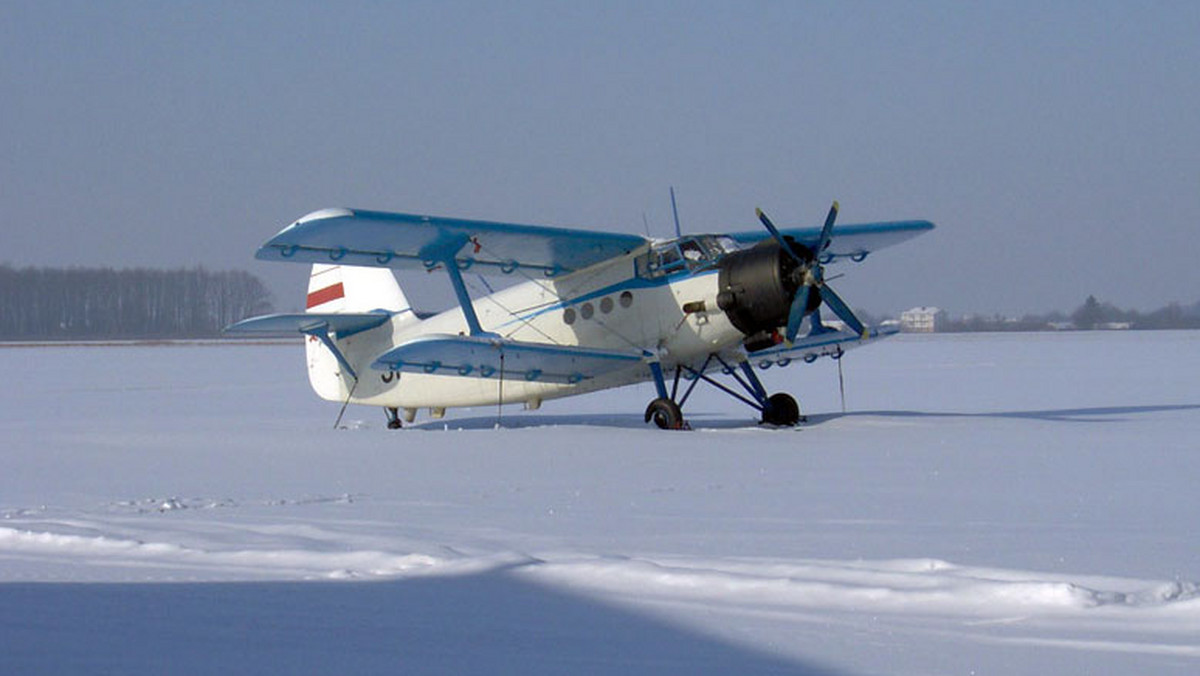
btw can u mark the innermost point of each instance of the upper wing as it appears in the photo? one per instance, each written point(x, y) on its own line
point(854, 241)
point(379, 239)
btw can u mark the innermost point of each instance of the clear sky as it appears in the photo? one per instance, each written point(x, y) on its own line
point(1055, 144)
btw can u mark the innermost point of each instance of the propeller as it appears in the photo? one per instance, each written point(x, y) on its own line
point(812, 278)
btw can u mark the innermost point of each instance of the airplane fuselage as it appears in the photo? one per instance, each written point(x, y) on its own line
point(636, 303)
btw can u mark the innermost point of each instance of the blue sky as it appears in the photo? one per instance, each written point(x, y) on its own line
point(1055, 144)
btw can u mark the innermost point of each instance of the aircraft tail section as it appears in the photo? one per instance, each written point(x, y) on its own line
point(350, 290)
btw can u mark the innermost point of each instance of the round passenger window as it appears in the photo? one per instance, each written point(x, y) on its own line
point(606, 305)
point(586, 311)
point(626, 298)
point(569, 315)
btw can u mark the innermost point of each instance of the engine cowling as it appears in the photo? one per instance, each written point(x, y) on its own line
point(756, 287)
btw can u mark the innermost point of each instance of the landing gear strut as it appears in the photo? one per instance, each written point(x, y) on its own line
point(778, 409)
point(393, 417)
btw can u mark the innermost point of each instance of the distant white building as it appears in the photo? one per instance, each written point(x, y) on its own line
point(922, 319)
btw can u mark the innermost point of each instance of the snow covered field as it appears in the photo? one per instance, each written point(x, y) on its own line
point(989, 504)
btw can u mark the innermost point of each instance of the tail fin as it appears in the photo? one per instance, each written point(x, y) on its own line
point(337, 289)
point(345, 289)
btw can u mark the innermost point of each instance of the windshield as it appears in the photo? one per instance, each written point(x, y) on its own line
point(686, 253)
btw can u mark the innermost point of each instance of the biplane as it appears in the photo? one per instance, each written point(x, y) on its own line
point(590, 310)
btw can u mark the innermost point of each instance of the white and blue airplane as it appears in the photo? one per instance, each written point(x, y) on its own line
point(594, 310)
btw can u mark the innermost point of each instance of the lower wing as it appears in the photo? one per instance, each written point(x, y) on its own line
point(829, 343)
point(493, 357)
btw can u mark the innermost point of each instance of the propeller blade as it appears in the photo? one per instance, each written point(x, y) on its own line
point(775, 233)
point(827, 231)
point(796, 312)
point(842, 310)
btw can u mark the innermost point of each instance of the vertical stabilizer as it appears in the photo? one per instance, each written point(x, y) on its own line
point(344, 289)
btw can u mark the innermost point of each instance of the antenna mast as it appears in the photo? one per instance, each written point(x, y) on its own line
point(675, 211)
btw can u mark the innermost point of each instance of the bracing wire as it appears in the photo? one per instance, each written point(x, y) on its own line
point(841, 385)
point(543, 285)
point(500, 394)
point(337, 423)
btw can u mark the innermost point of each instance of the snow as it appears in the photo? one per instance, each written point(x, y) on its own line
point(1014, 504)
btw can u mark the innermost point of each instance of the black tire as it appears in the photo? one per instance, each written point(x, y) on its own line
point(665, 413)
point(782, 410)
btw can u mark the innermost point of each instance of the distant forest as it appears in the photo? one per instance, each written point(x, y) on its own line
point(140, 303)
point(1092, 315)
point(103, 303)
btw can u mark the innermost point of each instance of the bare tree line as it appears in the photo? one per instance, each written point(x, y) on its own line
point(1093, 314)
point(103, 303)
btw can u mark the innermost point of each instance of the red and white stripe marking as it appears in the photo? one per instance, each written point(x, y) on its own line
point(325, 295)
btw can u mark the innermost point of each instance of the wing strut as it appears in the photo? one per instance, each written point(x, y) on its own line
point(464, 298)
point(446, 252)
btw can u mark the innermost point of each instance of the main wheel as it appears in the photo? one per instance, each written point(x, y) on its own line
point(782, 410)
point(665, 413)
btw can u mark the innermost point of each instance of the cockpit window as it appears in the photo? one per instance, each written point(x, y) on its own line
point(691, 253)
point(669, 258)
point(726, 244)
point(692, 250)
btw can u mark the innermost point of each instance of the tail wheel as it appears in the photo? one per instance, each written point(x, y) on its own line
point(665, 413)
point(781, 409)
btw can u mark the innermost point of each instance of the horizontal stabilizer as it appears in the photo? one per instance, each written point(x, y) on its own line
point(494, 357)
point(288, 325)
point(821, 344)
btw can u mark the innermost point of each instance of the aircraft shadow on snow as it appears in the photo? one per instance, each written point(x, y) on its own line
point(621, 420)
point(1099, 414)
point(1094, 415)
point(488, 623)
